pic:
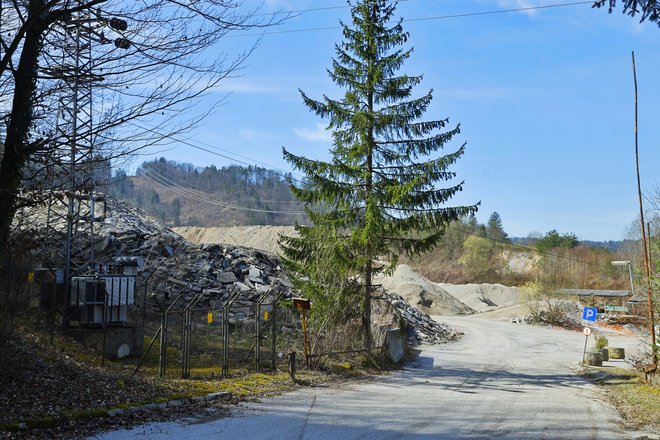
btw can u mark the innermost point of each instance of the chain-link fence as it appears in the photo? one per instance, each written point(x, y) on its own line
point(183, 334)
point(192, 340)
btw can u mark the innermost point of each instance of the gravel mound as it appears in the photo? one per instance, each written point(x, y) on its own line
point(422, 293)
point(263, 238)
point(483, 297)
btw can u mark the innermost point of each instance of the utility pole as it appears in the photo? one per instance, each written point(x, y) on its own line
point(647, 262)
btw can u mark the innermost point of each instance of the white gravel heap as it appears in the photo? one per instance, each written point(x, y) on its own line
point(422, 293)
point(483, 297)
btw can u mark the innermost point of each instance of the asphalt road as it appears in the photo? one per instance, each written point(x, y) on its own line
point(502, 380)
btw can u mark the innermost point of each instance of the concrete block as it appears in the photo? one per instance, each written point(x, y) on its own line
point(120, 342)
point(394, 344)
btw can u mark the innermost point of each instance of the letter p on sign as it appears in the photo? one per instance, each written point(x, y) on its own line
point(589, 314)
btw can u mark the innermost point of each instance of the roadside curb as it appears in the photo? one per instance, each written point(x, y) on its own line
point(169, 404)
point(51, 421)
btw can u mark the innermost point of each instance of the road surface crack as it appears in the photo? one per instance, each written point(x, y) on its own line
point(302, 431)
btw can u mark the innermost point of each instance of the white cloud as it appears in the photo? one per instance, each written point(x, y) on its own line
point(520, 4)
point(317, 134)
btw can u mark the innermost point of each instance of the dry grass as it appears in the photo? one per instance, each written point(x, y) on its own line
point(637, 401)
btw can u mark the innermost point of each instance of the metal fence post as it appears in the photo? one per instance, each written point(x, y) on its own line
point(273, 329)
point(257, 343)
point(257, 335)
point(225, 336)
point(225, 341)
point(162, 360)
point(163, 344)
point(184, 344)
point(186, 337)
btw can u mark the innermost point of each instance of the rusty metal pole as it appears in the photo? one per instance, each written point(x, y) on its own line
point(647, 263)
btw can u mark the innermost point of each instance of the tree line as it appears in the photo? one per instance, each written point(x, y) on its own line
point(181, 194)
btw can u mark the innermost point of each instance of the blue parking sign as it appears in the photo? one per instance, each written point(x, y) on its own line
point(589, 314)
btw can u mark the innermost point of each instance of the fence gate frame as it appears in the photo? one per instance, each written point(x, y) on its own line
point(186, 336)
point(225, 332)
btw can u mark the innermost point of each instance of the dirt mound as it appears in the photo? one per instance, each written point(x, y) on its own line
point(426, 295)
point(483, 297)
point(263, 238)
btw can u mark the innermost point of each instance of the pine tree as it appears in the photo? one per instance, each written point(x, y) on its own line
point(378, 193)
point(494, 228)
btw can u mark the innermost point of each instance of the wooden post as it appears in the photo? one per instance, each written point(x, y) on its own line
point(302, 305)
point(647, 263)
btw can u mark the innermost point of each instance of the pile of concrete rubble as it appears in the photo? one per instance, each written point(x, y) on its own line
point(420, 328)
point(174, 265)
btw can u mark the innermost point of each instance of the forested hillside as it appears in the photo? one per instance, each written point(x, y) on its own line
point(181, 194)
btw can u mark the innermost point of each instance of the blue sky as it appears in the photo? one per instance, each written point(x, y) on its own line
point(544, 98)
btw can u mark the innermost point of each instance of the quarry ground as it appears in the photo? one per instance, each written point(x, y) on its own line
point(502, 380)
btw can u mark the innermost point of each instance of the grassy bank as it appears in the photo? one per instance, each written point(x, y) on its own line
point(637, 401)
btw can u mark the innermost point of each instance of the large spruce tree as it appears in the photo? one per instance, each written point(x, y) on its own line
point(379, 194)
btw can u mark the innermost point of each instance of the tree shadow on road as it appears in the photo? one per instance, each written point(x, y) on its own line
point(472, 381)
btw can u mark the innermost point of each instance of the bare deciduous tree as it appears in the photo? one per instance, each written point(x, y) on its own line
point(132, 63)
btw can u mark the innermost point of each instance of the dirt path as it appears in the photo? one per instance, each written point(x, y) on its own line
point(501, 380)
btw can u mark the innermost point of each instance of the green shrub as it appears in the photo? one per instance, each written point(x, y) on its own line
point(600, 342)
point(543, 303)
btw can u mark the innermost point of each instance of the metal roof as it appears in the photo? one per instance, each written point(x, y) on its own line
point(596, 292)
point(638, 298)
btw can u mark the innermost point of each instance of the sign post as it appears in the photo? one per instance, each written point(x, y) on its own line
point(587, 332)
point(589, 314)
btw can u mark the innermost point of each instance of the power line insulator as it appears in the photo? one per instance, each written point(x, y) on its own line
point(118, 23)
point(122, 43)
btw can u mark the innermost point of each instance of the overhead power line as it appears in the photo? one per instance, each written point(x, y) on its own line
point(520, 246)
point(192, 193)
point(212, 150)
point(302, 11)
point(163, 181)
point(432, 18)
point(180, 183)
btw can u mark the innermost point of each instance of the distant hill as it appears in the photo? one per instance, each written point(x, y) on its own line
point(184, 195)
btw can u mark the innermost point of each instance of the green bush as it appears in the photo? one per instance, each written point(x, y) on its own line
point(543, 303)
point(600, 342)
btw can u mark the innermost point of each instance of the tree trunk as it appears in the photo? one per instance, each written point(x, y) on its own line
point(366, 306)
point(17, 149)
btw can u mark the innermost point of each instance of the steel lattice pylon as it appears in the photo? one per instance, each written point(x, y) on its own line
point(71, 212)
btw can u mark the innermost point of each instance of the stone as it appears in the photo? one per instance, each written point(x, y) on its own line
point(254, 272)
point(174, 266)
point(226, 277)
point(243, 287)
